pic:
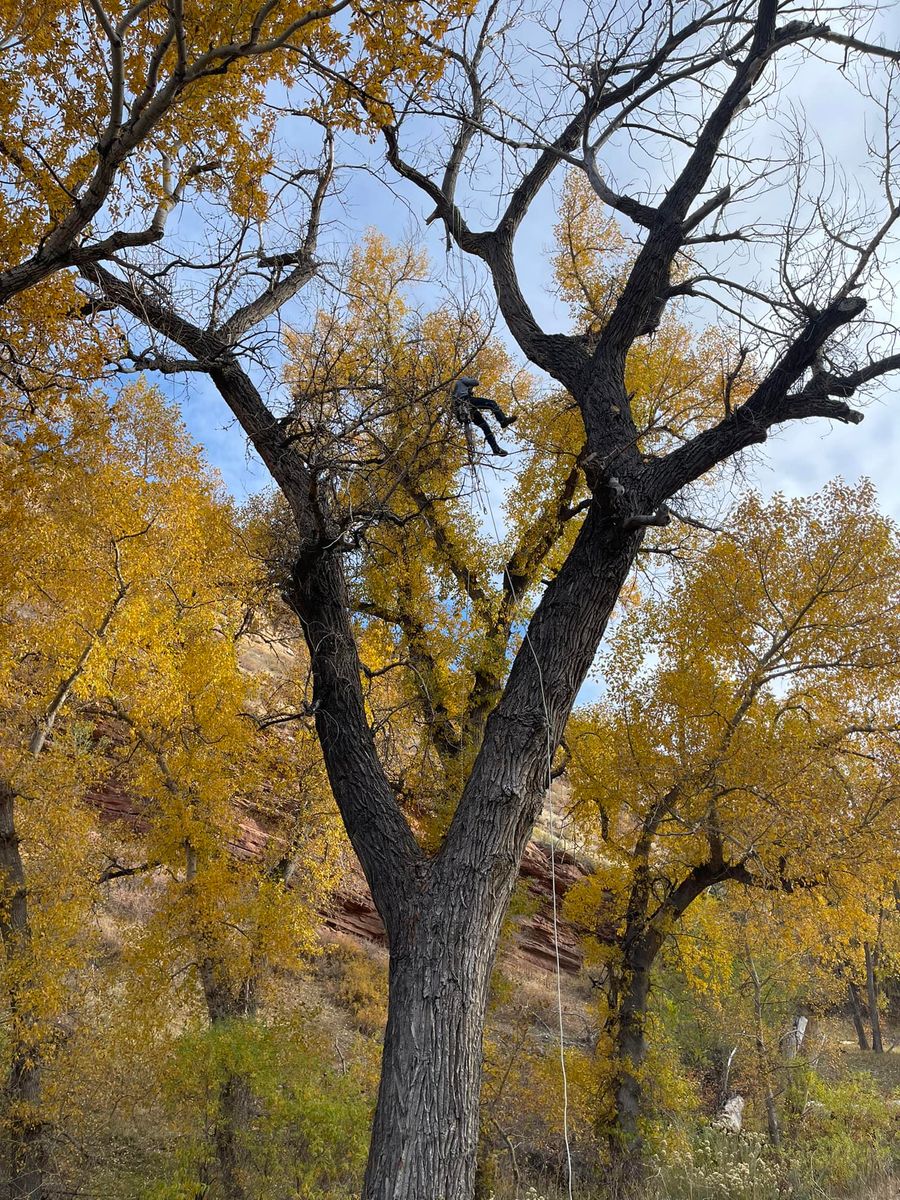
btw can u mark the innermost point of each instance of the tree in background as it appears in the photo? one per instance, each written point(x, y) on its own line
point(748, 737)
point(125, 595)
point(93, 512)
point(146, 100)
point(227, 920)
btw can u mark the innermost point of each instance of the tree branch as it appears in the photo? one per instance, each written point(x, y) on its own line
point(768, 405)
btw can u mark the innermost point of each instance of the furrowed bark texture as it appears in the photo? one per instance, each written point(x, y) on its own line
point(426, 1125)
point(443, 916)
point(26, 1154)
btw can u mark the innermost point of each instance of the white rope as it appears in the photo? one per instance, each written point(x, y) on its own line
point(489, 508)
point(479, 486)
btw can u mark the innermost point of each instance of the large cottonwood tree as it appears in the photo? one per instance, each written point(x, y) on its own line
point(625, 77)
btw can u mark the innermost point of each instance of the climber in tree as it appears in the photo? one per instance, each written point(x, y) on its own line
point(468, 407)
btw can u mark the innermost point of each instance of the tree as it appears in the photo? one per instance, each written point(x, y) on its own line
point(224, 922)
point(85, 521)
point(114, 115)
point(108, 518)
point(859, 952)
point(749, 737)
point(128, 594)
point(158, 96)
point(443, 909)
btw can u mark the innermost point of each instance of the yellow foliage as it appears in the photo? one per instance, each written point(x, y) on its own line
point(124, 589)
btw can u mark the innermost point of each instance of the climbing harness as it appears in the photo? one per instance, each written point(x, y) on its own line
point(467, 409)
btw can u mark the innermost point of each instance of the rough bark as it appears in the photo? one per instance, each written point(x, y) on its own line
point(443, 916)
point(872, 996)
point(425, 1134)
point(235, 1101)
point(26, 1152)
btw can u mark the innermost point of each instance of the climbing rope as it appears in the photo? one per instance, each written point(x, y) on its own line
point(482, 494)
point(481, 490)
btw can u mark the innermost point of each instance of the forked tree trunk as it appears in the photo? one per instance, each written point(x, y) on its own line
point(872, 995)
point(643, 938)
point(443, 914)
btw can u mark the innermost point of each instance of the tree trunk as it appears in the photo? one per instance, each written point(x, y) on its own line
point(27, 1152)
point(425, 1133)
point(641, 942)
point(443, 915)
point(762, 1056)
point(235, 1101)
point(22, 1094)
point(224, 1006)
point(856, 1013)
point(872, 994)
point(626, 1143)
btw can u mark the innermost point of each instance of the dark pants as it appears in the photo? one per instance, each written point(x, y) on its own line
point(490, 406)
point(478, 405)
point(478, 419)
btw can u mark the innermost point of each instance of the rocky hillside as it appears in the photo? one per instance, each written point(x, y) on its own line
point(352, 913)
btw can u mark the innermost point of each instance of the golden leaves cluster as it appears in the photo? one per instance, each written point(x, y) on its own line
point(751, 713)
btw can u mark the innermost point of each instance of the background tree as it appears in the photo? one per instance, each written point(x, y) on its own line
point(125, 594)
point(225, 922)
point(90, 550)
point(160, 96)
point(749, 736)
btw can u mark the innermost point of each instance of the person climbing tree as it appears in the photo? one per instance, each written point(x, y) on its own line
point(469, 407)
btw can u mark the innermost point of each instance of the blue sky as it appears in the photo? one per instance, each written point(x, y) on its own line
point(798, 459)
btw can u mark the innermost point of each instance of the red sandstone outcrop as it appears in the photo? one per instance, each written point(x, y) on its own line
point(353, 914)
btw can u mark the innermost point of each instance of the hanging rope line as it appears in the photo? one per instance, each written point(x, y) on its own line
point(482, 494)
point(481, 489)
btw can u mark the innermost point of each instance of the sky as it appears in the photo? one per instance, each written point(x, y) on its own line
point(798, 459)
